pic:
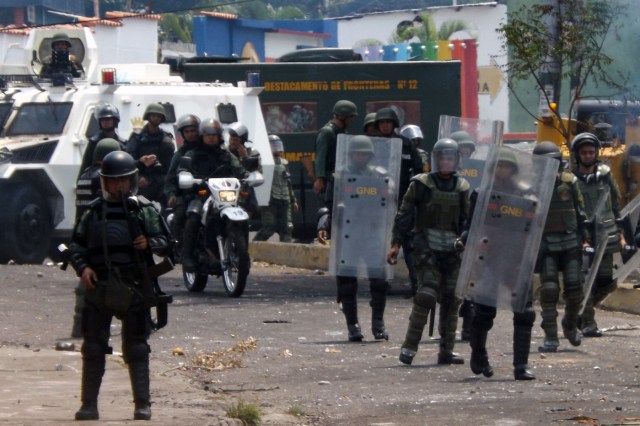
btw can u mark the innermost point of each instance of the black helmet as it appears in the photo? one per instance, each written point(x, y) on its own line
point(368, 119)
point(445, 146)
point(387, 114)
point(104, 147)
point(548, 149)
point(155, 108)
point(361, 143)
point(107, 110)
point(581, 139)
point(118, 164)
point(210, 126)
point(239, 130)
point(61, 37)
point(276, 144)
point(344, 109)
point(186, 121)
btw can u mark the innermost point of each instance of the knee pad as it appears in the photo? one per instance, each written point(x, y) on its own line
point(573, 295)
point(524, 319)
point(425, 297)
point(195, 207)
point(549, 292)
point(135, 351)
point(483, 316)
point(92, 350)
point(378, 287)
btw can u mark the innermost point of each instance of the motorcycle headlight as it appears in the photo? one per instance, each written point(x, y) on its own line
point(227, 196)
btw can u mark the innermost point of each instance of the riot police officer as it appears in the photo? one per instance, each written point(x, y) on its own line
point(208, 158)
point(440, 200)
point(360, 152)
point(108, 118)
point(153, 148)
point(276, 217)
point(465, 142)
point(87, 190)
point(344, 112)
point(103, 253)
point(369, 125)
point(563, 240)
point(387, 124)
point(414, 134)
point(593, 178)
point(508, 185)
point(188, 126)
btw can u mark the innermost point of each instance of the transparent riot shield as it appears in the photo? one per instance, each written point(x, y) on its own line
point(364, 206)
point(475, 137)
point(599, 239)
point(629, 217)
point(506, 229)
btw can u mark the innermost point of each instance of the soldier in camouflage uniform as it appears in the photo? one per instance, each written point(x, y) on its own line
point(108, 118)
point(276, 217)
point(102, 248)
point(344, 112)
point(593, 179)
point(440, 199)
point(153, 148)
point(564, 238)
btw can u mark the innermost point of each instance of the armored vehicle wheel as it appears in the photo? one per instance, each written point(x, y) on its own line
point(26, 226)
point(237, 261)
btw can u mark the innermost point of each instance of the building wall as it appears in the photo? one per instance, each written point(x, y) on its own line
point(277, 44)
point(482, 20)
point(134, 42)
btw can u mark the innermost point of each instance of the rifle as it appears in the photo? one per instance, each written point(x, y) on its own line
point(148, 293)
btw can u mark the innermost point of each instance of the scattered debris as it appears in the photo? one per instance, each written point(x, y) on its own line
point(230, 358)
point(177, 352)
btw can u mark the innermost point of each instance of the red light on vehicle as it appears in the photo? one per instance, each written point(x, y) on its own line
point(109, 76)
point(202, 192)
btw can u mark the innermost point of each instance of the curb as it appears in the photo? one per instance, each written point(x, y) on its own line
point(316, 256)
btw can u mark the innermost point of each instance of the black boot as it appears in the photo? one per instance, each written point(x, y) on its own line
point(350, 311)
point(521, 348)
point(139, 375)
point(92, 372)
point(378, 302)
point(479, 361)
point(190, 239)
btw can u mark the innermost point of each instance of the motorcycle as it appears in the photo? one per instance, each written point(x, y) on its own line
point(223, 238)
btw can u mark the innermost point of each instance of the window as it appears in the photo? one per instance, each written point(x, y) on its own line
point(40, 119)
point(290, 117)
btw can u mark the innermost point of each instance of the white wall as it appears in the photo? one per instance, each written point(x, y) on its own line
point(277, 44)
point(482, 19)
point(136, 41)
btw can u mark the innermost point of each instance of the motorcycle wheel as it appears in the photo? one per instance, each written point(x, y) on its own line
point(238, 263)
point(196, 281)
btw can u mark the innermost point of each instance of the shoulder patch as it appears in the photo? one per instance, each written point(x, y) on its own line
point(603, 169)
point(568, 177)
point(462, 184)
point(425, 179)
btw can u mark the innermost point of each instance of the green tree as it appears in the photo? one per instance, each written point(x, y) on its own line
point(558, 41)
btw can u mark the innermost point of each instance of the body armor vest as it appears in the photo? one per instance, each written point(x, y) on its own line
point(87, 189)
point(592, 186)
point(438, 214)
point(280, 185)
point(118, 237)
point(561, 226)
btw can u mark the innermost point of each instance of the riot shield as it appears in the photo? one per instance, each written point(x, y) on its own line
point(475, 137)
point(629, 217)
point(599, 237)
point(364, 207)
point(506, 229)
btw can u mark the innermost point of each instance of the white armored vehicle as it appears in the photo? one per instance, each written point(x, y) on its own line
point(46, 122)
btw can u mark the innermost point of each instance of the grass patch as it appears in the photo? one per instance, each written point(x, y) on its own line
point(249, 413)
point(296, 410)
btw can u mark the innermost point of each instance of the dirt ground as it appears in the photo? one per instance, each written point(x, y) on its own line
point(294, 360)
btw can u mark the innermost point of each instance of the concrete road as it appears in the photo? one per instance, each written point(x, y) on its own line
point(301, 362)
